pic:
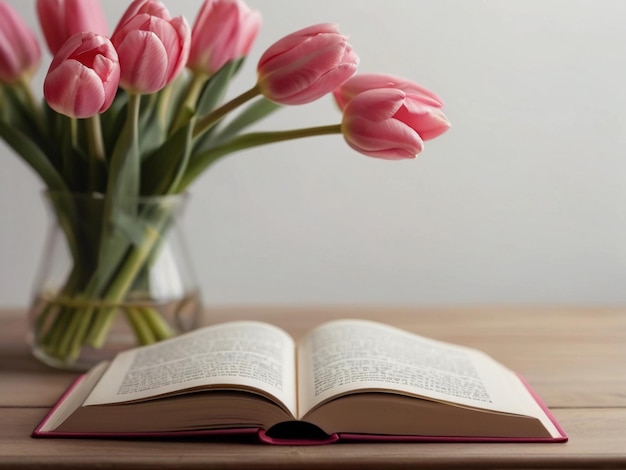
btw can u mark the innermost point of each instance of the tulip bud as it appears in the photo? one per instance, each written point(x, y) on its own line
point(429, 122)
point(19, 51)
point(61, 19)
point(149, 7)
point(223, 31)
point(153, 48)
point(306, 65)
point(371, 81)
point(83, 77)
point(384, 123)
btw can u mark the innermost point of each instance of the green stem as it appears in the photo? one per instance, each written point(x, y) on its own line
point(68, 163)
point(189, 104)
point(81, 320)
point(122, 190)
point(210, 119)
point(157, 324)
point(165, 96)
point(94, 136)
point(121, 284)
point(200, 162)
point(134, 107)
point(139, 325)
point(24, 85)
point(4, 104)
point(125, 164)
point(96, 150)
point(163, 107)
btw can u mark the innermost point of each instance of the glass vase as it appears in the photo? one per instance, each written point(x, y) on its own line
point(114, 275)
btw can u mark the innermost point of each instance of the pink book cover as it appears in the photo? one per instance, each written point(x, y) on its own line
point(256, 435)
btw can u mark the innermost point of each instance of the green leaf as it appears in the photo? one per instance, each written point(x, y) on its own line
point(256, 111)
point(150, 127)
point(124, 168)
point(55, 123)
point(215, 88)
point(4, 105)
point(134, 229)
point(74, 165)
point(198, 163)
point(163, 170)
point(113, 246)
point(33, 155)
point(113, 120)
point(122, 188)
point(172, 99)
point(18, 113)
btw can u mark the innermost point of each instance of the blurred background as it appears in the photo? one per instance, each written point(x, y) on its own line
point(522, 201)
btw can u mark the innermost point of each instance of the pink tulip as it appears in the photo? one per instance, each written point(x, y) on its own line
point(19, 50)
point(383, 123)
point(223, 31)
point(429, 122)
point(61, 19)
point(83, 77)
point(371, 81)
point(149, 7)
point(153, 48)
point(306, 65)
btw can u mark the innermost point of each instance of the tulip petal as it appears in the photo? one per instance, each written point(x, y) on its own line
point(389, 139)
point(103, 67)
point(312, 90)
point(19, 49)
point(301, 68)
point(85, 15)
point(292, 40)
point(9, 59)
point(52, 20)
point(143, 62)
point(61, 19)
point(83, 78)
point(323, 47)
point(429, 122)
point(178, 60)
point(370, 81)
point(223, 31)
point(152, 48)
point(372, 124)
point(377, 105)
point(148, 7)
point(74, 90)
point(415, 102)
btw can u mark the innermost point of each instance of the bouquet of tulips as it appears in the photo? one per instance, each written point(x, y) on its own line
point(142, 112)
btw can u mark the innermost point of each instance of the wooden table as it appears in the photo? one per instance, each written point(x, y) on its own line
point(575, 358)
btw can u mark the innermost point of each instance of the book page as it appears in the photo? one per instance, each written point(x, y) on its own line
point(232, 355)
point(347, 355)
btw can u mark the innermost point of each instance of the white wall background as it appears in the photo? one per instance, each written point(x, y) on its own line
point(523, 201)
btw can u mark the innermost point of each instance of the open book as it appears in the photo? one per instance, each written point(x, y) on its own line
point(346, 379)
